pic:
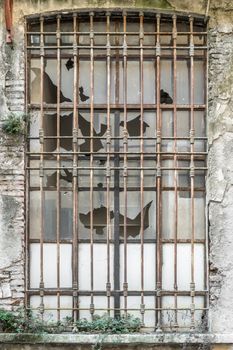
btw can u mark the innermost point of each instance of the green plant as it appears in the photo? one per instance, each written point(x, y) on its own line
point(8, 321)
point(107, 324)
point(15, 124)
point(21, 322)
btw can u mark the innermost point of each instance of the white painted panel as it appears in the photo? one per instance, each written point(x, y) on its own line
point(84, 267)
point(50, 265)
point(34, 265)
point(168, 267)
point(100, 302)
point(183, 316)
point(183, 266)
point(100, 266)
point(66, 265)
point(149, 266)
point(149, 316)
point(50, 302)
point(134, 302)
point(133, 266)
point(66, 302)
point(133, 305)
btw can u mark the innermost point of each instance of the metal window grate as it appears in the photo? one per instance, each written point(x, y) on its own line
point(116, 166)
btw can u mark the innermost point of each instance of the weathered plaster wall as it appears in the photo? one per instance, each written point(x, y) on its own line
point(11, 176)
point(220, 127)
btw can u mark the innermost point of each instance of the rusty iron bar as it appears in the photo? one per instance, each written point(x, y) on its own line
point(174, 34)
point(158, 183)
point(91, 160)
point(42, 53)
point(75, 250)
point(58, 219)
point(108, 168)
point(192, 175)
point(141, 40)
point(125, 146)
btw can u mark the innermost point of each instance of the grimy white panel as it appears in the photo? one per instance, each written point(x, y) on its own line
point(183, 316)
point(66, 265)
point(100, 266)
point(183, 266)
point(34, 265)
point(134, 266)
point(66, 302)
point(50, 265)
point(100, 302)
point(133, 302)
point(84, 267)
point(50, 302)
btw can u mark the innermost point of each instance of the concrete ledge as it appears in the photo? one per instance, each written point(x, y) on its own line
point(118, 339)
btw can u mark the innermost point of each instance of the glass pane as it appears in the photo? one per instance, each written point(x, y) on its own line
point(183, 82)
point(34, 210)
point(166, 92)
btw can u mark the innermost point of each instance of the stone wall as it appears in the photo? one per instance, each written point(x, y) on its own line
point(220, 127)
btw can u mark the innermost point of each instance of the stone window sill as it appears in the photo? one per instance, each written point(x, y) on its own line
point(118, 339)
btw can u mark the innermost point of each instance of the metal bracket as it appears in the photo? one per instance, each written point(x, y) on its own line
point(75, 135)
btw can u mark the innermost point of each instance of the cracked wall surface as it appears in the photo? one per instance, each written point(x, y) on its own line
point(220, 160)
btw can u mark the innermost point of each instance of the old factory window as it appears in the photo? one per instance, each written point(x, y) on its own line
point(116, 165)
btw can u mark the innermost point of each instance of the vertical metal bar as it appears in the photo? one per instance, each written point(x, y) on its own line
point(174, 34)
point(58, 34)
point(206, 267)
point(125, 171)
point(108, 171)
point(192, 133)
point(42, 53)
point(75, 179)
point(27, 172)
point(91, 157)
point(141, 41)
point(117, 185)
point(158, 182)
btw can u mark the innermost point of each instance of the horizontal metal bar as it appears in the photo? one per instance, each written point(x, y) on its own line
point(121, 241)
point(113, 107)
point(116, 168)
point(53, 291)
point(118, 33)
point(103, 47)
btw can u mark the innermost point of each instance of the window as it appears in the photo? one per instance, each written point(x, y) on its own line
point(116, 167)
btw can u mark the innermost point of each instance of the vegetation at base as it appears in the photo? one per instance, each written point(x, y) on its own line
point(15, 124)
point(19, 322)
point(107, 324)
